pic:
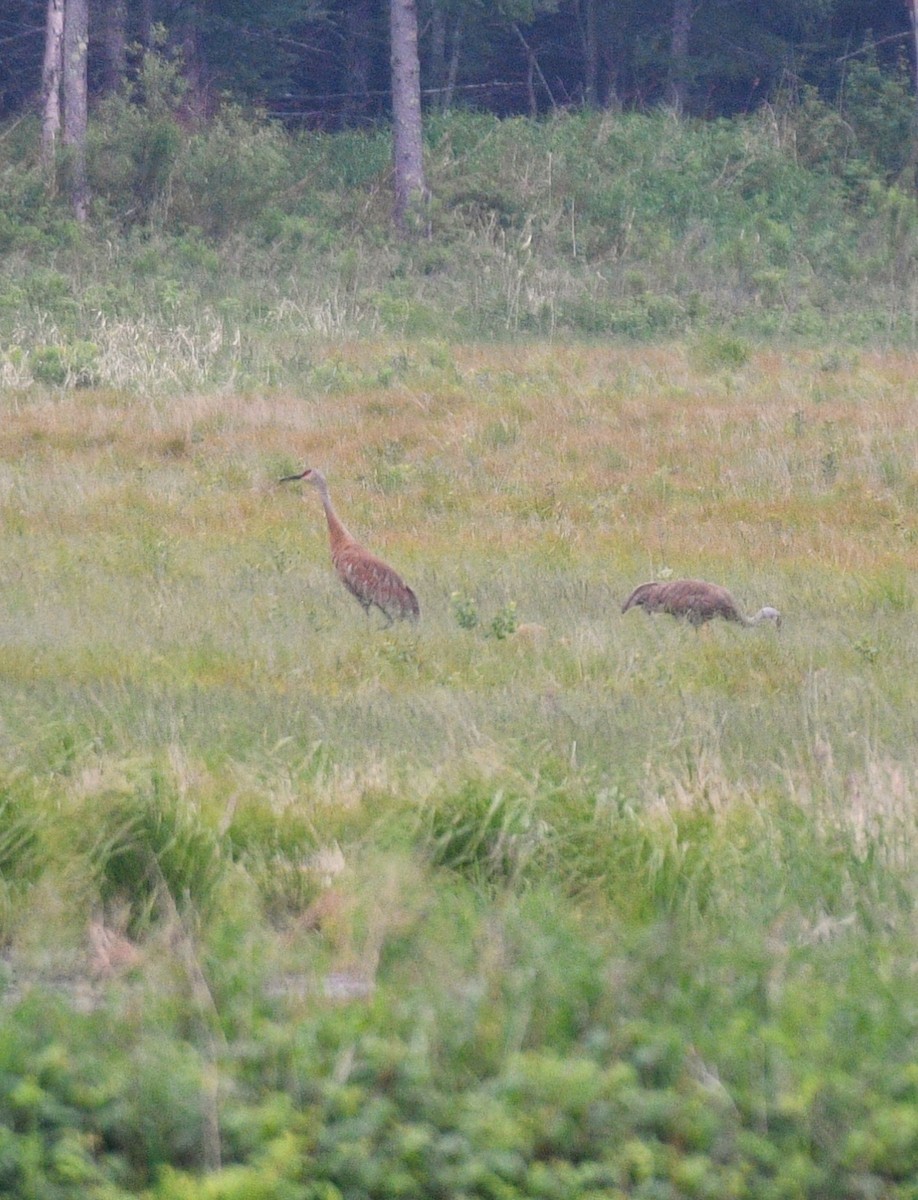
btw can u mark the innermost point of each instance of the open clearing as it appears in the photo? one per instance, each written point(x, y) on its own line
point(160, 591)
point(528, 825)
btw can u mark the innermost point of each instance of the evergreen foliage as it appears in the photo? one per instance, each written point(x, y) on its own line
point(326, 65)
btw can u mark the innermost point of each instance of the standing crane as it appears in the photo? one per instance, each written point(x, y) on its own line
point(696, 601)
point(369, 580)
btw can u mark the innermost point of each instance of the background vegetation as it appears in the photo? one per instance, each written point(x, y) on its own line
point(224, 255)
point(325, 65)
point(534, 899)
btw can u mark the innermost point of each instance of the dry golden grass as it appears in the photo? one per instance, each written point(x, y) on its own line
point(600, 452)
point(148, 551)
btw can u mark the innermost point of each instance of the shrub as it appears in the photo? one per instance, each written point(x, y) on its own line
point(229, 171)
point(465, 610)
point(715, 350)
point(880, 108)
point(136, 142)
point(504, 622)
point(73, 365)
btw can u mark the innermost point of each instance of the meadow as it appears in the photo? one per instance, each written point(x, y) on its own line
point(532, 899)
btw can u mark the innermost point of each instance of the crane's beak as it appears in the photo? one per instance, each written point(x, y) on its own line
point(290, 478)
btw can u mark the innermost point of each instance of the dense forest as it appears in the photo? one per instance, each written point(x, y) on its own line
point(326, 64)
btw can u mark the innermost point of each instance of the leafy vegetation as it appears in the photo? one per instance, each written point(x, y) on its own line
point(328, 64)
point(228, 254)
point(533, 899)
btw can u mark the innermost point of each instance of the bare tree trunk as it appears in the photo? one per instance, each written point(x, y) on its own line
point(357, 60)
point(52, 71)
point(535, 71)
point(192, 68)
point(453, 73)
point(113, 42)
point(438, 53)
point(679, 45)
point(182, 41)
point(444, 56)
point(596, 36)
point(530, 87)
point(410, 184)
point(908, 171)
point(76, 42)
point(590, 54)
point(145, 24)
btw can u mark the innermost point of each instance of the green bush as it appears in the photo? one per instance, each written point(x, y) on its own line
point(73, 365)
point(715, 350)
point(135, 144)
point(629, 226)
point(880, 108)
point(228, 172)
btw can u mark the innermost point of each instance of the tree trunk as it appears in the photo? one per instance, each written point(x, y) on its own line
point(596, 36)
point(357, 61)
point(113, 43)
point(52, 71)
point(183, 36)
point(76, 40)
point(590, 54)
point(534, 72)
point(453, 73)
point(444, 57)
point(145, 24)
point(437, 71)
point(410, 184)
point(678, 71)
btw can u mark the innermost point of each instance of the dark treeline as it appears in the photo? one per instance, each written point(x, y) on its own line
point(326, 64)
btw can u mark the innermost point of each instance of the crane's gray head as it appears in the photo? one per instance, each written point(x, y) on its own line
point(310, 475)
point(769, 614)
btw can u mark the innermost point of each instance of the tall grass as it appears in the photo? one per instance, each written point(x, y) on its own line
point(305, 904)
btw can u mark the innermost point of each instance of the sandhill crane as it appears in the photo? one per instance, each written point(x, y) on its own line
point(696, 601)
point(369, 580)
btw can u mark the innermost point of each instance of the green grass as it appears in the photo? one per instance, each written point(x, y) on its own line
point(623, 908)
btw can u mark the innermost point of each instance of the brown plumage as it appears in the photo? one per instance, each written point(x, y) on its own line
point(369, 580)
point(695, 601)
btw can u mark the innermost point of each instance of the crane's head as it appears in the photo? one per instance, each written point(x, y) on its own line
point(309, 475)
point(769, 614)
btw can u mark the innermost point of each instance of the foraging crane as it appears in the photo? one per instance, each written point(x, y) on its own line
point(696, 601)
point(369, 580)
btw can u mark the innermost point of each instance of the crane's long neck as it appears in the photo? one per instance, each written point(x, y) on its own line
point(338, 535)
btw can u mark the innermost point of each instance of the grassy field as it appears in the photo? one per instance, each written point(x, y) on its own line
point(624, 909)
